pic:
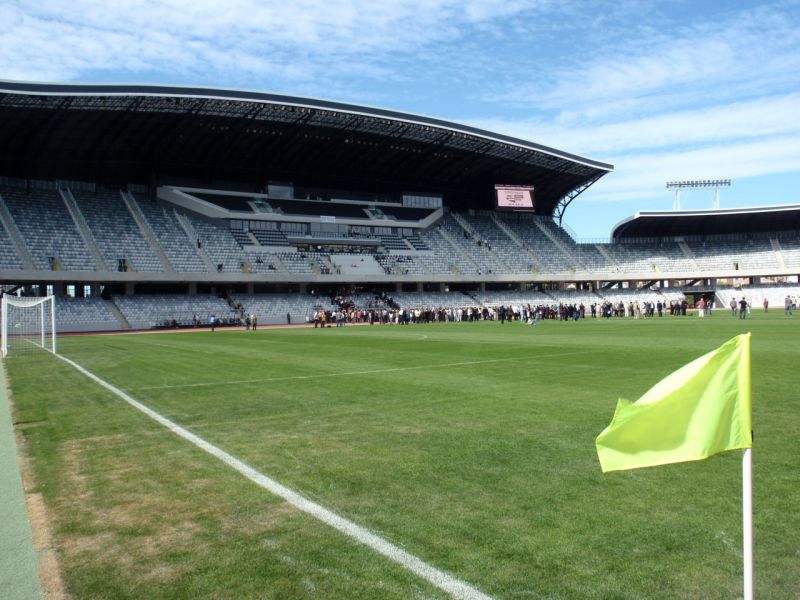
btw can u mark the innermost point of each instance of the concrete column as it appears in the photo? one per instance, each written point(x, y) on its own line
point(419, 286)
point(129, 288)
point(398, 287)
point(191, 288)
point(251, 287)
point(303, 288)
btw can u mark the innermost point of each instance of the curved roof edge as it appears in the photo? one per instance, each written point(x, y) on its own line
point(87, 89)
point(700, 218)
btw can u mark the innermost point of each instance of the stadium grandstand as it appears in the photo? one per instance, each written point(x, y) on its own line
point(155, 206)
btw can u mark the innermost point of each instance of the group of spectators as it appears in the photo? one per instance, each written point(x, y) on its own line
point(639, 310)
point(324, 318)
point(197, 321)
point(381, 309)
point(405, 316)
point(526, 313)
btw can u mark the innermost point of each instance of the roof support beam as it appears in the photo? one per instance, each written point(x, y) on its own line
point(561, 207)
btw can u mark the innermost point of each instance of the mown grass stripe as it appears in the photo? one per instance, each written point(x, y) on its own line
point(469, 363)
point(455, 587)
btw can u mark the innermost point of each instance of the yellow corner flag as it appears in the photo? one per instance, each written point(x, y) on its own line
point(699, 410)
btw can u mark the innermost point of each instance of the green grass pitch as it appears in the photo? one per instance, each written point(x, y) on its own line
point(470, 445)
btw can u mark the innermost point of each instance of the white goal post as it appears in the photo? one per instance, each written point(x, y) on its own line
point(29, 325)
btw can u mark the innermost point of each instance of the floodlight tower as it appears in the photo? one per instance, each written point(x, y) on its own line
point(694, 184)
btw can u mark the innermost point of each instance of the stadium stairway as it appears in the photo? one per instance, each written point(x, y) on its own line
point(516, 239)
point(83, 228)
point(456, 249)
point(123, 322)
point(570, 258)
point(687, 252)
point(201, 252)
point(607, 255)
point(464, 225)
point(16, 237)
point(776, 247)
point(147, 232)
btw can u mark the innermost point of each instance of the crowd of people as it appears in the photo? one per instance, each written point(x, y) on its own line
point(351, 306)
point(381, 309)
point(384, 311)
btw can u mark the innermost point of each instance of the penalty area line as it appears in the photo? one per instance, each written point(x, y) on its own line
point(455, 587)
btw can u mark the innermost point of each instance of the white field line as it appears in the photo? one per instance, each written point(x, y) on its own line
point(455, 587)
point(368, 372)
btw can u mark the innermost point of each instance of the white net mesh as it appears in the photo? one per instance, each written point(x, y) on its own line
point(28, 325)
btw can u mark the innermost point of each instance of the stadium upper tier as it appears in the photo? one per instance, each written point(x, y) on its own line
point(95, 234)
point(146, 134)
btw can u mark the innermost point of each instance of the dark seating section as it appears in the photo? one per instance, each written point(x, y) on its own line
point(404, 213)
point(310, 207)
point(313, 207)
point(270, 237)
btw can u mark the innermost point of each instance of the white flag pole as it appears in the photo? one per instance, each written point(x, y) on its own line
point(747, 521)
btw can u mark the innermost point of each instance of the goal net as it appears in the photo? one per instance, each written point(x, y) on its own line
point(29, 325)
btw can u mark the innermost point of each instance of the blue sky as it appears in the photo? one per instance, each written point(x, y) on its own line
point(663, 90)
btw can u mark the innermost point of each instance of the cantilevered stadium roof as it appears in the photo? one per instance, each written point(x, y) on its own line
point(709, 222)
point(117, 134)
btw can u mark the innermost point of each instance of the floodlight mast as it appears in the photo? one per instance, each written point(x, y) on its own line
point(694, 184)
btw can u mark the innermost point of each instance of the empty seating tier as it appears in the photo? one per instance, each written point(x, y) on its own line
point(47, 228)
point(116, 233)
point(180, 250)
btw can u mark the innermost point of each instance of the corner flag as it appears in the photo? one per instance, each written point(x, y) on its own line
point(701, 409)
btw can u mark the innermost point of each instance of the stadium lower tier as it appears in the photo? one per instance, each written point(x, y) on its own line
point(175, 311)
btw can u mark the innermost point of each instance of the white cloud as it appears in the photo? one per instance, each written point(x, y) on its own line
point(665, 90)
point(68, 38)
point(682, 129)
point(645, 175)
point(641, 70)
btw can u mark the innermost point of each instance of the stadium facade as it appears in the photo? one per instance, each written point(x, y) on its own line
point(126, 190)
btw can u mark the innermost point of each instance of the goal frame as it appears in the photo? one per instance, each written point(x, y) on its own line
point(46, 307)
